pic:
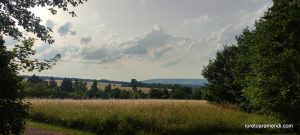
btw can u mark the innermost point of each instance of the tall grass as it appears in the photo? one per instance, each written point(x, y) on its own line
point(57, 130)
point(145, 116)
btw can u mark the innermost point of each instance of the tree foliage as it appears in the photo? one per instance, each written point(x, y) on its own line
point(34, 79)
point(52, 83)
point(134, 84)
point(271, 83)
point(67, 85)
point(94, 91)
point(12, 107)
point(15, 16)
point(220, 75)
point(17, 13)
point(265, 66)
point(156, 93)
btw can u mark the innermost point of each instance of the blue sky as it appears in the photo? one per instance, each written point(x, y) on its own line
point(143, 39)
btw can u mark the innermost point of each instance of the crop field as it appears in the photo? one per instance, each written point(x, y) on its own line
point(146, 116)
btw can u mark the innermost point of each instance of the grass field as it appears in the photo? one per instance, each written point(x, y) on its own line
point(146, 116)
point(56, 129)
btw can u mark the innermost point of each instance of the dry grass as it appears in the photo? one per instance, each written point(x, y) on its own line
point(144, 116)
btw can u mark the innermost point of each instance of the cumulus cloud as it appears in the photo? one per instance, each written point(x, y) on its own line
point(156, 45)
point(42, 47)
point(197, 20)
point(73, 32)
point(172, 62)
point(247, 18)
point(102, 55)
point(68, 51)
point(98, 54)
point(50, 24)
point(153, 44)
point(9, 41)
point(153, 39)
point(85, 40)
point(65, 28)
point(160, 52)
point(194, 32)
point(143, 1)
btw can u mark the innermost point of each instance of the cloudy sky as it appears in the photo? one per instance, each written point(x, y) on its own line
point(144, 39)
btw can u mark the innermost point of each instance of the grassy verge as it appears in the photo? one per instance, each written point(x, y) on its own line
point(58, 129)
point(147, 117)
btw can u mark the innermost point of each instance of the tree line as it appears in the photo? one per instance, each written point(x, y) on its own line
point(36, 87)
point(261, 72)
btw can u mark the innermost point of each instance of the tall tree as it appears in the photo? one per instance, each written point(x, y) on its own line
point(166, 93)
point(67, 85)
point(35, 79)
point(84, 87)
point(94, 91)
point(12, 108)
point(221, 85)
point(76, 84)
point(115, 93)
point(134, 84)
point(156, 93)
point(271, 83)
point(265, 65)
point(52, 83)
point(108, 91)
point(13, 16)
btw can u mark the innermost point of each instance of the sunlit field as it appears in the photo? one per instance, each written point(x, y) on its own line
point(145, 116)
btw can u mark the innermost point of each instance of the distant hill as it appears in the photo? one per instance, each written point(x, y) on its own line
point(177, 81)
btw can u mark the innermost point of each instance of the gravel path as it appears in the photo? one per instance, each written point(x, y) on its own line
point(34, 131)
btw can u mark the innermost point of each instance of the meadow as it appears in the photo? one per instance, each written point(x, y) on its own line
point(146, 116)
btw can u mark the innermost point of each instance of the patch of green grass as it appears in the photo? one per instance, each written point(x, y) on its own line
point(58, 129)
point(147, 117)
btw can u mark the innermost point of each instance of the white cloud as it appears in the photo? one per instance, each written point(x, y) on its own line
point(112, 39)
point(143, 1)
point(198, 20)
point(86, 40)
point(65, 28)
point(50, 24)
point(9, 41)
point(246, 18)
point(152, 44)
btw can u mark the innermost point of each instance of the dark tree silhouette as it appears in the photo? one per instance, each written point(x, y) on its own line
point(94, 91)
point(34, 79)
point(108, 91)
point(156, 93)
point(52, 83)
point(134, 84)
point(67, 85)
point(12, 107)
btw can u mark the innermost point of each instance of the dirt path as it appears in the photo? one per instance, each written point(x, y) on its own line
point(34, 131)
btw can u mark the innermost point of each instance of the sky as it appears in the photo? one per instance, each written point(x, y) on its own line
point(143, 39)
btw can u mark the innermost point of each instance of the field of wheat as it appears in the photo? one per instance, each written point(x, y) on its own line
point(144, 116)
